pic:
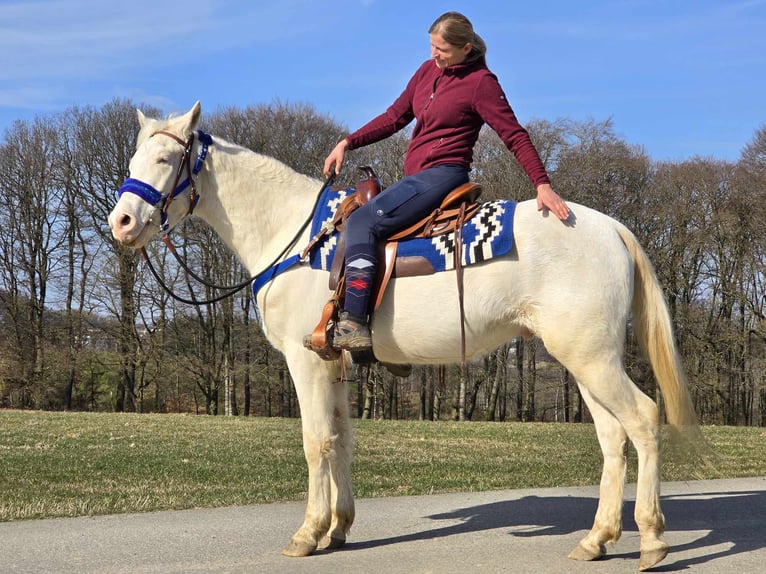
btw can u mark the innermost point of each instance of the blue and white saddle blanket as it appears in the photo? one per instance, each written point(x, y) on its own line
point(488, 234)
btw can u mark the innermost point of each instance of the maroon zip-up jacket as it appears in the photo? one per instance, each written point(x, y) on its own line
point(450, 106)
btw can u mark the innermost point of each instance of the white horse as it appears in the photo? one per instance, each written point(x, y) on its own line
point(573, 285)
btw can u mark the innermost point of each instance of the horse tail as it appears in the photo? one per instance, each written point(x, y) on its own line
point(654, 331)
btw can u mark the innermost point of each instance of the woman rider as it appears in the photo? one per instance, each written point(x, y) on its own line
point(451, 96)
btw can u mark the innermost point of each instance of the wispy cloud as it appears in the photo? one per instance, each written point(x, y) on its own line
point(51, 49)
point(49, 45)
point(58, 37)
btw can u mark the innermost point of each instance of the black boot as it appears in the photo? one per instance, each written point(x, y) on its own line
point(352, 333)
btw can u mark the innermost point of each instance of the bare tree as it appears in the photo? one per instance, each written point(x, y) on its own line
point(31, 232)
point(78, 256)
point(496, 369)
point(107, 139)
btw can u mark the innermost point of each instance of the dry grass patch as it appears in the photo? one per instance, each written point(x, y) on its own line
point(73, 464)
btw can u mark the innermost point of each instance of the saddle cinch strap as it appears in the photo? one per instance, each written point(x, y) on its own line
point(458, 207)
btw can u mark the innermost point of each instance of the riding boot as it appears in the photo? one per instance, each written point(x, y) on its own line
point(352, 333)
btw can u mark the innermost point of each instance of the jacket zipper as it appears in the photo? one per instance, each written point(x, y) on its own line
point(433, 92)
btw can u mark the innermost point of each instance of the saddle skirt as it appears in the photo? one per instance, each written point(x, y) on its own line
point(487, 234)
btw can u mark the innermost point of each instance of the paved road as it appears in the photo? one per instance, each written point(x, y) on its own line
point(713, 527)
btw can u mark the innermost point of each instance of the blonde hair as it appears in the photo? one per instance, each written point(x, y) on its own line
point(457, 30)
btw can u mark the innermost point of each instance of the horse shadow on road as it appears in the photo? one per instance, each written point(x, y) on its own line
point(735, 522)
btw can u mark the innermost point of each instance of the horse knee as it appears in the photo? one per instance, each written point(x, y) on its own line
point(327, 448)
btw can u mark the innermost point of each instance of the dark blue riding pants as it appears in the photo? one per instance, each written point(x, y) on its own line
point(402, 204)
point(397, 207)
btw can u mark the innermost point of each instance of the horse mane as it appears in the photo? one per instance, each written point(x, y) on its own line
point(269, 168)
point(265, 168)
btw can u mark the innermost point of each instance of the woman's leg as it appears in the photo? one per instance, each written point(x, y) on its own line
point(397, 207)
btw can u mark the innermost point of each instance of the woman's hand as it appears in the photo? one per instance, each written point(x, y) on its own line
point(336, 157)
point(549, 199)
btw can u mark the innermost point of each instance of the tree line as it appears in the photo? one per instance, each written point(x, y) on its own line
point(86, 327)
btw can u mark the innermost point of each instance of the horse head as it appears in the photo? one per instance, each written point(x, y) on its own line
point(161, 189)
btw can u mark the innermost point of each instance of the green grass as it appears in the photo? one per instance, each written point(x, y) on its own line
point(72, 464)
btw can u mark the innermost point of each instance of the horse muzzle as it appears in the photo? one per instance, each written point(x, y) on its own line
point(130, 230)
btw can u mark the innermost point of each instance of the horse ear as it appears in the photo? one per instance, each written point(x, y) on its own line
point(195, 114)
point(141, 118)
point(187, 122)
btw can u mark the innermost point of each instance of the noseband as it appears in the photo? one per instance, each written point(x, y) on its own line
point(162, 200)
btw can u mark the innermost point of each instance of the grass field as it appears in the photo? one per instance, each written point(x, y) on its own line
point(73, 464)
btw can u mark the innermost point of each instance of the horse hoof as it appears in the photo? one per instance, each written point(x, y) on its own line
point(652, 557)
point(331, 543)
point(299, 549)
point(584, 554)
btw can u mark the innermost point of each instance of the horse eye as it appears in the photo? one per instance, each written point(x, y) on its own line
point(164, 159)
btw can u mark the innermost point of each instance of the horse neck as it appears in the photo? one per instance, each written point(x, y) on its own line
point(255, 203)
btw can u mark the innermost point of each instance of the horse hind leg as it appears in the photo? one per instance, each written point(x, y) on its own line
point(607, 525)
point(613, 390)
point(648, 514)
point(641, 421)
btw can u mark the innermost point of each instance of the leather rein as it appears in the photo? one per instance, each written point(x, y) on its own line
point(157, 199)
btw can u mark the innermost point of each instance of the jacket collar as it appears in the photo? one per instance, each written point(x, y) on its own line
point(463, 67)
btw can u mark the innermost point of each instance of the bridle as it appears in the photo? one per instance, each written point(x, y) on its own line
point(163, 200)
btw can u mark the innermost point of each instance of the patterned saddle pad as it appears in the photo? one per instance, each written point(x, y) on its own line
point(488, 234)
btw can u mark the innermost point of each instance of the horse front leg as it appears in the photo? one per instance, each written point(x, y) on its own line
point(341, 494)
point(327, 446)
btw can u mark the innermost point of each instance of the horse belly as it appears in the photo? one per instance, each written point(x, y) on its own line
point(419, 319)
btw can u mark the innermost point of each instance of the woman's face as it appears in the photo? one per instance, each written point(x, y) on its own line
point(445, 54)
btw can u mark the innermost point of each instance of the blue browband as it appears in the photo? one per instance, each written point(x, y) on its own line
point(157, 199)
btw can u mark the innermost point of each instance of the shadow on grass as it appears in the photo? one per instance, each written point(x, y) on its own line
point(734, 520)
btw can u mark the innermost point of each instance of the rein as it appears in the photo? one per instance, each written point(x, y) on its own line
point(157, 199)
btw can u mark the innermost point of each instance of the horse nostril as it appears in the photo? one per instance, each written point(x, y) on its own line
point(124, 220)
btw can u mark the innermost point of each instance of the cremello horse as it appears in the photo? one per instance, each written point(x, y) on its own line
point(573, 285)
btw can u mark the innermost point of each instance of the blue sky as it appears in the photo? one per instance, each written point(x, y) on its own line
point(681, 78)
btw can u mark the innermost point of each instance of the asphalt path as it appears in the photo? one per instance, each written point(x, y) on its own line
point(713, 527)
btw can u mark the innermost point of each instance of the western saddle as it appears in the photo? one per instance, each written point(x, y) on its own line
point(459, 206)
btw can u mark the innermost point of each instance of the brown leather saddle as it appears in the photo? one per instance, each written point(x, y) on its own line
point(459, 206)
